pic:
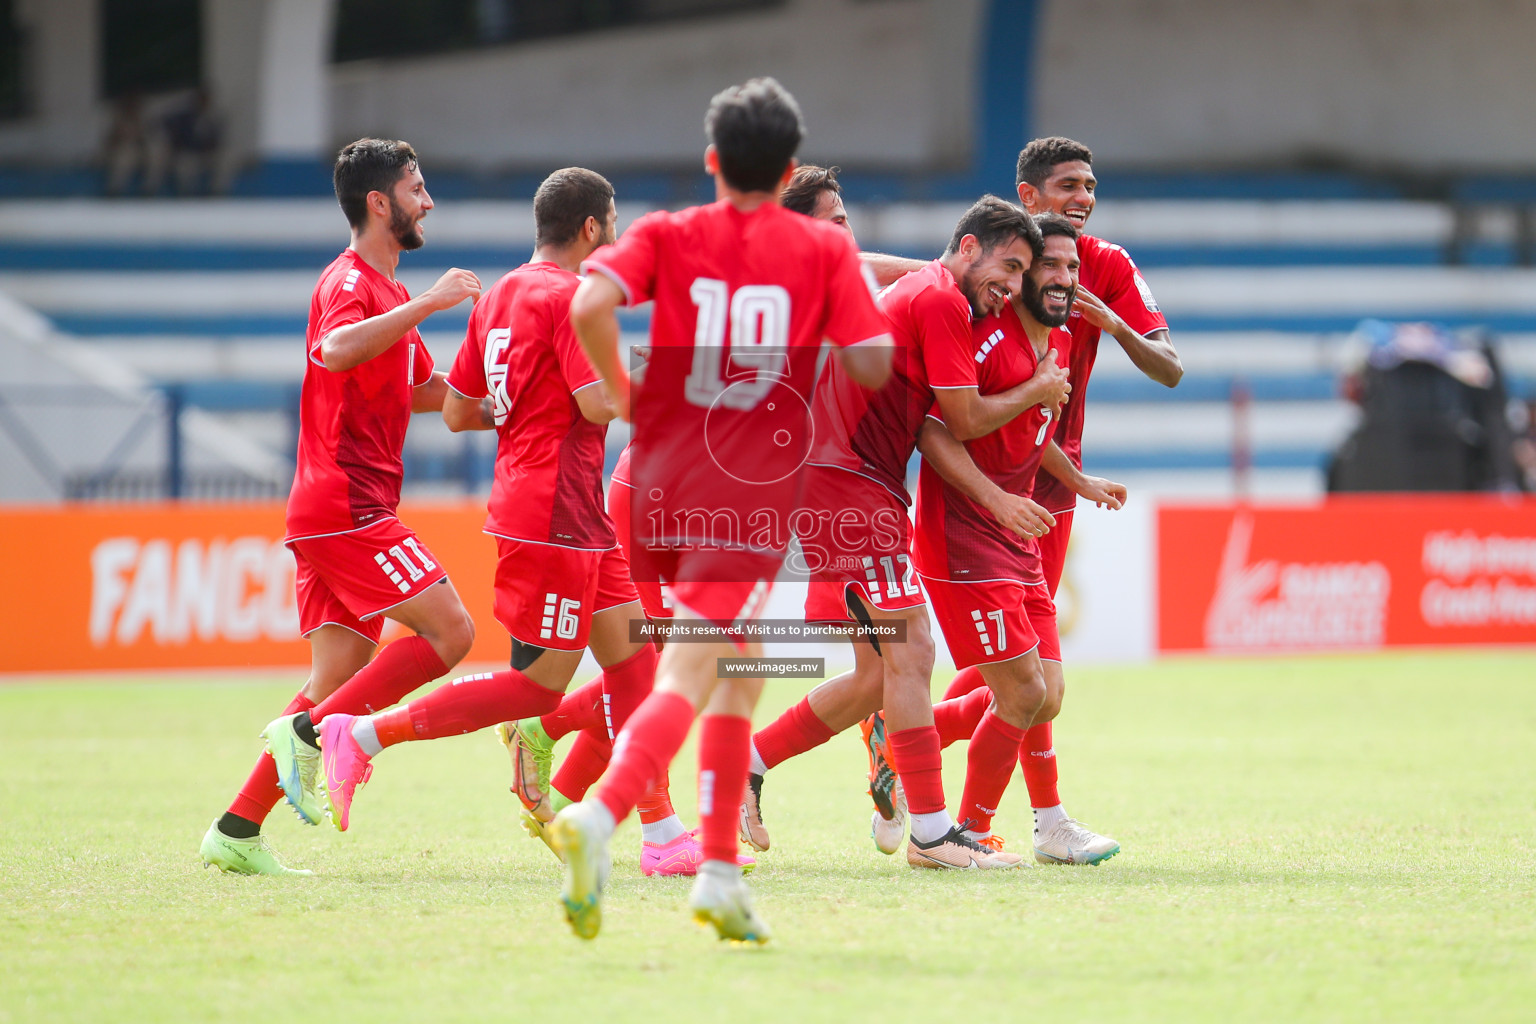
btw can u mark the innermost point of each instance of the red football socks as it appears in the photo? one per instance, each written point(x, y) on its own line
point(261, 792)
point(581, 709)
point(400, 668)
point(650, 740)
point(584, 765)
point(626, 685)
point(989, 764)
point(656, 805)
point(794, 732)
point(724, 760)
point(1037, 757)
point(957, 718)
point(465, 705)
point(966, 680)
point(916, 758)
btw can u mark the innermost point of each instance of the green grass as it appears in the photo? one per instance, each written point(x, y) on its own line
point(1337, 838)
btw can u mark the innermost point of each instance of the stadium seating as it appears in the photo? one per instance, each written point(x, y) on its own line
point(1261, 292)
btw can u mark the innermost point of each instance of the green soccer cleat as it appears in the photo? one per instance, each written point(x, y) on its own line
point(533, 761)
point(298, 766)
point(242, 856)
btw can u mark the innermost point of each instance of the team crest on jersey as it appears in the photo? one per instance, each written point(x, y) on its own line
point(1146, 293)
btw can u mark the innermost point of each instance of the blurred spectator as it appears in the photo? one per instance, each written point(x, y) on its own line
point(125, 150)
point(194, 132)
point(1434, 414)
point(1523, 423)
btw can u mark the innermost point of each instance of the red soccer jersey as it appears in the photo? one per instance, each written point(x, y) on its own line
point(520, 350)
point(721, 417)
point(954, 538)
point(352, 422)
point(1109, 272)
point(873, 433)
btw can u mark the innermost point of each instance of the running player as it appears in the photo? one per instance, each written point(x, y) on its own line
point(745, 293)
point(366, 372)
point(1055, 175)
point(562, 584)
point(666, 848)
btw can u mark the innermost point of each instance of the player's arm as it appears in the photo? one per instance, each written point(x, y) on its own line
point(429, 395)
point(354, 344)
point(1153, 353)
point(594, 318)
point(868, 363)
point(462, 413)
point(952, 462)
point(969, 413)
point(889, 269)
point(1103, 493)
point(594, 403)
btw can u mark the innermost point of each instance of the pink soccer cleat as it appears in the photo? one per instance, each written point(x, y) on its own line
point(343, 767)
point(682, 856)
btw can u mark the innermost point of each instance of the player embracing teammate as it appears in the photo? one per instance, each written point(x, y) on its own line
point(1055, 175)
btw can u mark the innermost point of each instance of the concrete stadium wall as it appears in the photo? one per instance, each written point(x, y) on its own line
point(880, 83)
point(1422, 83)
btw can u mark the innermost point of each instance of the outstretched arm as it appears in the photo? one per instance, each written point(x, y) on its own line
point(1103, 493)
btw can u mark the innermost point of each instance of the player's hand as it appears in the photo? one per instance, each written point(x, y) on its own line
point(1055, 381)
point(1095, 312)
point(1103, 493)
point(1022, 516)
point(453, 288)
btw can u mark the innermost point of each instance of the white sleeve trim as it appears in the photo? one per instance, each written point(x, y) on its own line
point(612, 275)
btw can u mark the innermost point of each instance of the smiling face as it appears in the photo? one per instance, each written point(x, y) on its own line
point(408, 205)
point(1069, 191)
point(1051, 282)
point(992, 275)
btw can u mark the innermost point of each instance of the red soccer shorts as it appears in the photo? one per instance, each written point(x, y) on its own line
point(1053, 550)
point(854, 533)
point(724, 586)
point(656, 604)
point(350, 579)
point(994, 620)
point(546, 595)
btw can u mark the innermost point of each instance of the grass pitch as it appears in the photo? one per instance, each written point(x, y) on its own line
point(1329, 838)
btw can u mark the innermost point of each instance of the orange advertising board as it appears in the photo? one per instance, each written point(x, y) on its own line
point(1358, 571)
point(191, 585)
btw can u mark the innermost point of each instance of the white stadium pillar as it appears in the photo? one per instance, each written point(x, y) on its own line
point(268, 62)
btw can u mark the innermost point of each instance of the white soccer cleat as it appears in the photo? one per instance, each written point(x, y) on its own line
point(1070, 842)
point(579, 836)
point(890, 833)
point(720, 898)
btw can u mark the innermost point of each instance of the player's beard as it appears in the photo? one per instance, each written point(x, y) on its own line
point(1034, 302)
point(405, 228)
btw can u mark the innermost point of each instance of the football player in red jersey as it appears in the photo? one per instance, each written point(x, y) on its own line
point(987, 585)
point(665, 849)
point(561, 583)
point(745, 294)
point(1055, 175)
point(366, 372)
point(855, 532)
